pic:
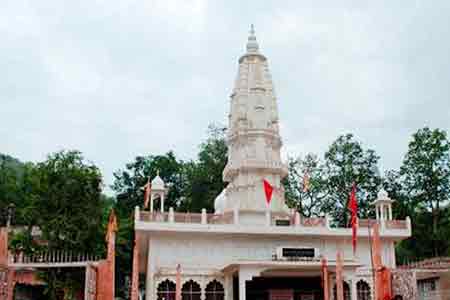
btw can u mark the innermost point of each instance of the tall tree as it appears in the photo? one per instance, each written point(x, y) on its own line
point(128, 185)
point(204, 177)
point(305, 185)
point(425, 177)
point(347, 162)
point(68, 206)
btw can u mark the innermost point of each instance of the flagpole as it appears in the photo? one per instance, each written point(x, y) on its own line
point(371, 258)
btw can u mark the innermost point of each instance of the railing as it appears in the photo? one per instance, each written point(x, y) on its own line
point(275, 219)
point(226, 218)
point(188, 218)
point(51, 257)
point(396, 224)
point(154, 217)
point(313, 222)
point(365, 223)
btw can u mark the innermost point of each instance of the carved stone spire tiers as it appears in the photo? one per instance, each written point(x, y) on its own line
point(254, 141)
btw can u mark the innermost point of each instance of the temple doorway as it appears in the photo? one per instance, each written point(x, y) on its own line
point(284, 288)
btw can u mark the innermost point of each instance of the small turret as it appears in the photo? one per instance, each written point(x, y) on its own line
point(158, 190)
point(383, 206)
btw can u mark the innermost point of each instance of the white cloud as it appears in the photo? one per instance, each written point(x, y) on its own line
point(119, 79)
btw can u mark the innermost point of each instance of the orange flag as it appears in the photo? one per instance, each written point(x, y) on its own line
point(306, 182)
point(3, 247)
point(135, 275)
point(339, 279)
point(382, 274)
point(326, 291)
point(268, 190)
point(147, 187)
point(178, 283)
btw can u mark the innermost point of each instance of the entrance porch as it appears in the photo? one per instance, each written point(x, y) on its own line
point(287, 280)
point(284, 288)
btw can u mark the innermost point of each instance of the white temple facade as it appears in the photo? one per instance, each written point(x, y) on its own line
point(246, 249)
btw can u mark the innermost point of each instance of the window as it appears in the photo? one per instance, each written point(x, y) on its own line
point(166, 290)
point(426, 287)
point(190, 291)
point(346, 291)
point(363, 290)
point(214, 291)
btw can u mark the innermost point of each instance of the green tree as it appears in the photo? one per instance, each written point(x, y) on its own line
point(347, 162)
point(128, 185)
point(308, 201)
point(424, 185)
point(68, 208)
point(204, 177)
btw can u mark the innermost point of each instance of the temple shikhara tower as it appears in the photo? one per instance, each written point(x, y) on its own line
point(254, 140)
point(247, 249)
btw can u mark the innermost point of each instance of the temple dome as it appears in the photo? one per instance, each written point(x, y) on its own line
point(219, 202)
point(158, 183)
point(383, 195)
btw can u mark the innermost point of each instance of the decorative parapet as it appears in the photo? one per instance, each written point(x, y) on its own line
point(273, 221)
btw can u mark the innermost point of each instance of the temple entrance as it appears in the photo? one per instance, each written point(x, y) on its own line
point(284, 288)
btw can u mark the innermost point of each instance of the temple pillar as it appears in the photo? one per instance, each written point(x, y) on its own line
point(149, 295)
point(242, 287)
point(246, 274)
point(151, 202)
point(353, 289)
point(228, 287)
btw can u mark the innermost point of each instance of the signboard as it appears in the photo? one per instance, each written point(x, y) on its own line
point(298, 252)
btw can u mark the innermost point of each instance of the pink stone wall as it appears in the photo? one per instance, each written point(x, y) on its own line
point(404, 284)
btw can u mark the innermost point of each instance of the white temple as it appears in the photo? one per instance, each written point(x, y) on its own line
point(246, 249)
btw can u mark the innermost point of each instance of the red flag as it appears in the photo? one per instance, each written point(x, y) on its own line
point(268, 189)
point(353, 207)
point(147, 187)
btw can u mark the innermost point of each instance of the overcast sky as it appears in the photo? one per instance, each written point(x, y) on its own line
point(116, 79)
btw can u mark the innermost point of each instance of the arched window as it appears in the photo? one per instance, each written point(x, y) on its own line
point(363, 290)
point(190, 291)
point(346, 291)
point(214, 291)
point(166, 290)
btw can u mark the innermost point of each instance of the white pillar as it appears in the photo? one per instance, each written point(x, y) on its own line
point(268, 221)
point(202, 288)
point(236, 215)
point(228, 287)
point(242, 287)
point(149, 276)
point(353, 289)
point(171, 215)
point(297, 218)
point(377, 212)
point(204, 220)
point(151, 203)
point(162, 202)
point(390, 212)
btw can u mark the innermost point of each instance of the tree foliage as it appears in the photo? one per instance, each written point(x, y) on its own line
point(422, 190)
point(193, 185)
point(305, 185)
point(347, 162)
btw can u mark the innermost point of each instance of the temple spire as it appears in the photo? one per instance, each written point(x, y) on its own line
point(253, 140)
point(252, 44)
